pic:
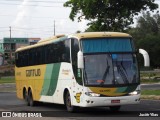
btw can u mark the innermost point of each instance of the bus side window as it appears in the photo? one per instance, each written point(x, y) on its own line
point(43, 55)
point(55, 54)
point(20, 59)
point(48, 54)
point(25, 58)
point(31, 56)
point(74, 51)
point(67, 50)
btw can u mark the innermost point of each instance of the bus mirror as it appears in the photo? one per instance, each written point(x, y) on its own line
point(146, 57)
point(80, 60)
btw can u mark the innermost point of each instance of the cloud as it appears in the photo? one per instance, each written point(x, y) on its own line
point(82, 25)
point(23, 17)
point(23, 11)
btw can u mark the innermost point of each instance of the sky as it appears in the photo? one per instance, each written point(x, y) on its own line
point(35, 18)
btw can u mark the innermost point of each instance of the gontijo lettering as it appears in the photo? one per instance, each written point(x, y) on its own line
point(33, 73)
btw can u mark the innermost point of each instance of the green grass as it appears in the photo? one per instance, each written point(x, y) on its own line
point(7, 80)
point(143, 74)
point(149, 77)
point(150, 81)
point(150, 92)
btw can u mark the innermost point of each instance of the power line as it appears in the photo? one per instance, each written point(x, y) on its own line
point(36, 17)
point(30, 5)
point(35, 1)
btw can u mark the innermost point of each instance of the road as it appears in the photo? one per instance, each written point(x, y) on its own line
point(9, 102)
point(155, 86)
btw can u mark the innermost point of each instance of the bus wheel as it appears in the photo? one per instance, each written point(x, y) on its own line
point(30, 99)
point(25, 96)
point(69, 107)
point(115, 108)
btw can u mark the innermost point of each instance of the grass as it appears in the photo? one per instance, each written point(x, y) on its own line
point(148, 81)
point(7, 80)
point(149, 77)
point(150, 92)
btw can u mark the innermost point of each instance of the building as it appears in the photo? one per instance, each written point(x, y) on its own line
point(8, 46)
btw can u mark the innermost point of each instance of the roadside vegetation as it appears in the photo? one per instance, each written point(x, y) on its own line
point(150, 92)
point(150, 77)
point(9, 79)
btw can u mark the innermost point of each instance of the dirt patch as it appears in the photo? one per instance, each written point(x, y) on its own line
point(150, 97)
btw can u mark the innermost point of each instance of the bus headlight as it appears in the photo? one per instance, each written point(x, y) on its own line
point(136, 92)
point(91, 94)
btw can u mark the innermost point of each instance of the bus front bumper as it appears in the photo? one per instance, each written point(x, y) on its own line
point(110, 101)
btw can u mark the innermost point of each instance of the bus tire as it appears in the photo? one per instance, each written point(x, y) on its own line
point(25, 96)
point(31, 102)
point(115, 108)
point(68, 104)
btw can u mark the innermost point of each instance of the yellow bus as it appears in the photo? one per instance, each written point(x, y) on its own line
point(80, 70)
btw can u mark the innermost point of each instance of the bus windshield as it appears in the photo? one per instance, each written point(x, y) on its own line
point(104, 65)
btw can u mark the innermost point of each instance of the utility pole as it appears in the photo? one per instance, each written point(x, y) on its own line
point(10, 31)
point(54, 28)
point(10, 35)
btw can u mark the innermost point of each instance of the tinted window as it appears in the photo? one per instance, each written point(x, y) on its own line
point(51, 53)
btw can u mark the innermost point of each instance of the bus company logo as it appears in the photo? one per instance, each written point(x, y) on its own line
point(78, 95)
point(65, 72)
point(33, 73)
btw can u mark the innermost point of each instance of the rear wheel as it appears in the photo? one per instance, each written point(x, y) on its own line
point(115, 108)
point(31, 102)
point(25, 96)
point(68, 104)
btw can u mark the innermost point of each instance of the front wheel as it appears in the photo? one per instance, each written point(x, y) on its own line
point(115, 108)
point(68, 104)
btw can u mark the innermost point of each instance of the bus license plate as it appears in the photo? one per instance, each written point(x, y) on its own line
point(115, 101)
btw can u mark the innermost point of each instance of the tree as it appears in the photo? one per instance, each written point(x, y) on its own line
point(147, 34)
point(112, 15)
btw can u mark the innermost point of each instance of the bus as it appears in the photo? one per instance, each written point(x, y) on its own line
point(92, 69)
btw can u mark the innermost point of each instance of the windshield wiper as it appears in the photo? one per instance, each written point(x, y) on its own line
point(123, 73)
point(106, 72)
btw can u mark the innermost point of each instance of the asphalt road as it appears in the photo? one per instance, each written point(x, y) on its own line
point(9, 102)
point(155, 86)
